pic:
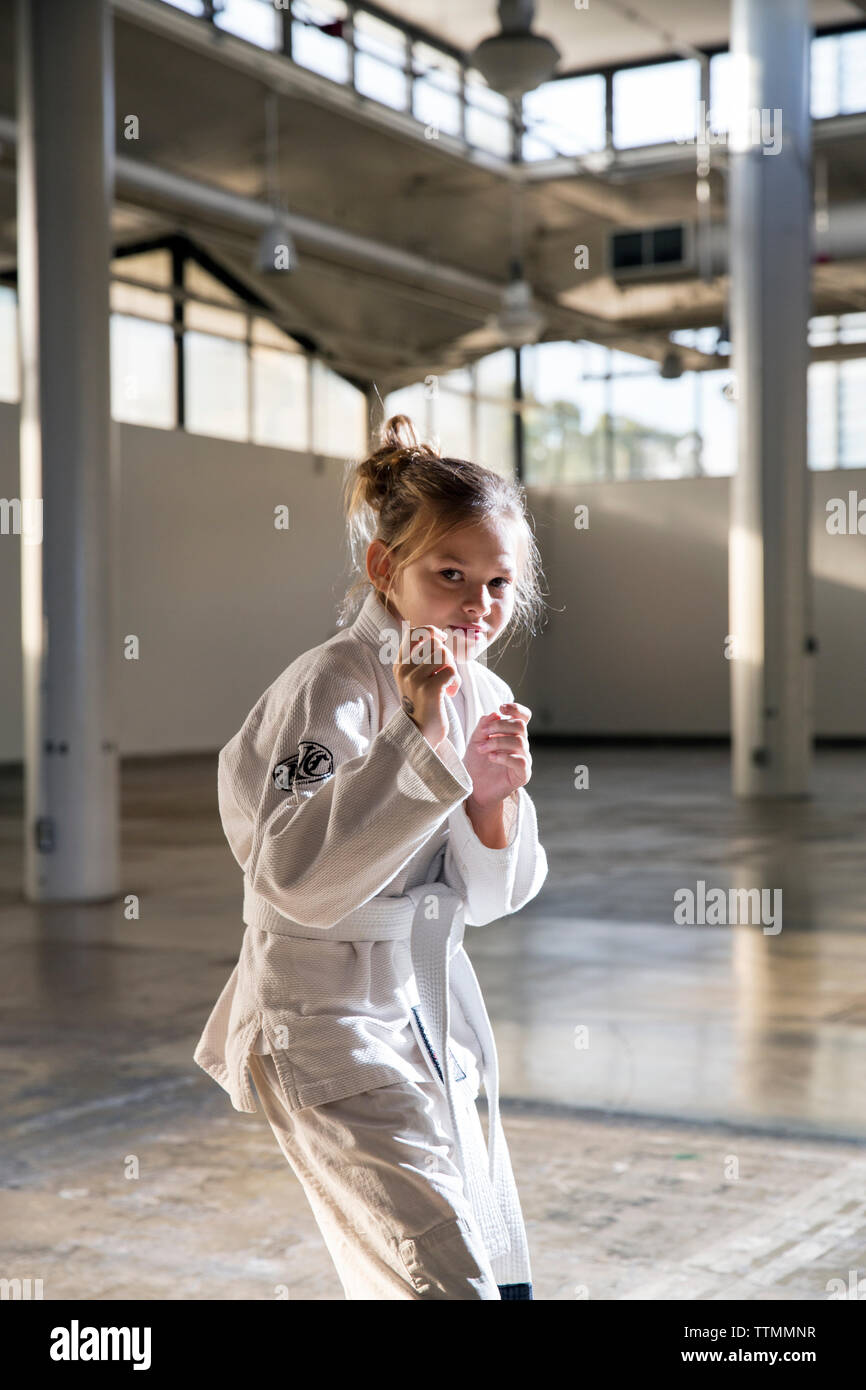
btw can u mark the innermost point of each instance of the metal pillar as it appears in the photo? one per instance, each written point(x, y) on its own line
point(178, 318)
point(65, 194)
point(770, 241)
point(519, 429)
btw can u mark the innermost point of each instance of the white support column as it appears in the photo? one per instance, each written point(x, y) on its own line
point(65, 194)
point(770, 263)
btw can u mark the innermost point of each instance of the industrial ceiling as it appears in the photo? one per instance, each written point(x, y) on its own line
point(408, 241)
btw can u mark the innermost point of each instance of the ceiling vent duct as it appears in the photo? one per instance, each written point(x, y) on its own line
point(652, 253)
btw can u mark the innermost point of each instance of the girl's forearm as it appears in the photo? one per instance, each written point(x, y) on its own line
point(488, 823)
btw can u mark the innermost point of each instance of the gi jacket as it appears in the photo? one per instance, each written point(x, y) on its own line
point(361, 868)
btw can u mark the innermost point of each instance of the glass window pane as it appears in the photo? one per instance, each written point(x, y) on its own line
point(653, 426)
point(704, 339)
point(566, 432)
point(823, 331)
point(551, 371)
point(381, 81)
point(151, 267)
point(414, 401)
point(435, 90)
point(852, 328)
point(458, 380)
point(594, 359)
point(215, 372)
point(656, 104)
point(436, 108)
point(852, 413)
point(191, 6)
point(339, 415)
point(495, 448)
point(565, 117)
point(852, 72)
point(452, 424)
point(822, 414)
point(824, 65)
point(494, 374)
point(224, 322)
point(317, 38)
point(10, 388)
point(838, 72)
point(257, 21)
point(380, 61)
point(142, 372)
point(717, 423)
point(487, 117)
point(140, 303)
point(628, 363)
point(721, 92)
point(437, 66)
point(280, 402)
point(657, 428)
point(707, 339)
point(383, 40)
point(483, 96)
point(533, 149)
point(561, 446)
point(488, 132)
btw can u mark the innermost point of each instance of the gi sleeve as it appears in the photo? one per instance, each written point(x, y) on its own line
point(495, 882)
point(320, 813)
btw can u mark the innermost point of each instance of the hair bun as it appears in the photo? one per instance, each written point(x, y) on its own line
point(398, 448)
point(392, 435)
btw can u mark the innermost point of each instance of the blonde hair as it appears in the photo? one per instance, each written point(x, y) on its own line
point(409, 497)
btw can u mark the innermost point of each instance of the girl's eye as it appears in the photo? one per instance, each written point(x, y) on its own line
point(499, 580)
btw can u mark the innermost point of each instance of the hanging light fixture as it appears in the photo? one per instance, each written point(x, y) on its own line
point(515, 60)
point(277, 253)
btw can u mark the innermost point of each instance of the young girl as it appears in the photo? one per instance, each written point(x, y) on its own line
point(375, 800)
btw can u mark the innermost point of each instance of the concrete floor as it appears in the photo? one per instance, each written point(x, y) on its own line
point(707, 1143)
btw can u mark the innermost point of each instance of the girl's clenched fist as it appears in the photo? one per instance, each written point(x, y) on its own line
point(497, 755)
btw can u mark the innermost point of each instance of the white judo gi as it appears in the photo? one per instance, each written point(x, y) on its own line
point(361, 869)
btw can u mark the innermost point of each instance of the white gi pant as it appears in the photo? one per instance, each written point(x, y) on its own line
point(379, 1172)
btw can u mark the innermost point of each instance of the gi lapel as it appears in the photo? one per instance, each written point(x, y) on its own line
point(455, 733)
point(471, 705)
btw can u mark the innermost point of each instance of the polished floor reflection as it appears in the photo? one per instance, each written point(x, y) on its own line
point(603, 997)
point(686, 1103)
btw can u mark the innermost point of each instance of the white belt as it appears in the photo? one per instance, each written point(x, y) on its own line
point(380, 919)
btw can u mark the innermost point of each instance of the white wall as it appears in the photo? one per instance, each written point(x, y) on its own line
point(638, 647)
point(222, 602)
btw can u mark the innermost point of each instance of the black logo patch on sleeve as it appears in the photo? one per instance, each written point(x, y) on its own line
point(313, 762)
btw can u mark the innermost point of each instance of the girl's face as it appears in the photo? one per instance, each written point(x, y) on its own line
point(464, 585)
